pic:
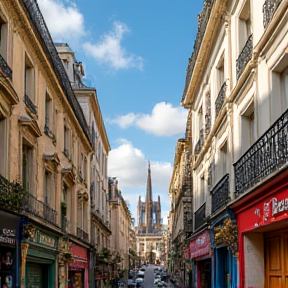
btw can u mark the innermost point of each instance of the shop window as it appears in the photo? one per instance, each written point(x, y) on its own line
point(27, 167)
point(7, 267)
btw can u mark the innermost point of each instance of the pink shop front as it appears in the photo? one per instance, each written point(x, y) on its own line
point(200, 254)
point(78, 268)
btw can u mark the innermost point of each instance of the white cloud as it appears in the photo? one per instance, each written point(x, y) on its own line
point(129, 165)
point(165, 120)
point(65, 23)
point(109, 50)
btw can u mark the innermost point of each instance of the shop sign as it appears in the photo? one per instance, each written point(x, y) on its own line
point(47, 240)
point(6, 235)
point(200, 246)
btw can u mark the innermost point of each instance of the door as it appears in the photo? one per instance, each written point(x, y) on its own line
point(276, 252)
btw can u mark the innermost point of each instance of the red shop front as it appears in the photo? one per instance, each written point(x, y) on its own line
point(78, 269)
point(263, 238)
point(200, 254)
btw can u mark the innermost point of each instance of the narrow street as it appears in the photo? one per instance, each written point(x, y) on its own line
point(149, 278)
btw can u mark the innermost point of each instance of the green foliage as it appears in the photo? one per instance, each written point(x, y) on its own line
point(12, 195)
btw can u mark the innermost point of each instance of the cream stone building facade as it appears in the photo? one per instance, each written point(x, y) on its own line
point(236, 92)
point(57, 154)
point(120, 226)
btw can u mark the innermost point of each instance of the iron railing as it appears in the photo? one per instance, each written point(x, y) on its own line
point(244, 57)
point(200, 216)
point(220, 194)
point(82, 234)
point(199, 143)
point(203, 19)
point(264, 157)
point(40, 27)
point(220, 98)
point(269, 8)
point(5, 69)
point(30, 104)
point(13, 197)
point(39, 209)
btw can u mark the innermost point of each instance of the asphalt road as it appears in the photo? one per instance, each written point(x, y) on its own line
point(149, 278)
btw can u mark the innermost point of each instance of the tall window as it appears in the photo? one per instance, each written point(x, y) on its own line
point(3, 145)
point(27, 167)
point(49, 112)
point(29, 79)
point(247, 128)
point(220, 74)
point(3, 39)
point(49, 188)
point(223, 161)
point(67, 140)
point(245, 25)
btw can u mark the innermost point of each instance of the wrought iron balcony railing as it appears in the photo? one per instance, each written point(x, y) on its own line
point(39, 209)
point(203, 19)
point(82, 234)
point(5, 69)
point(244, 57)
point(264, 157)
point(199, 143)
point(33, 11)
point(220, 98)
point(14, 198)
point(200, 216)
point(220, 194)
point(30, 104)
point(269, 8)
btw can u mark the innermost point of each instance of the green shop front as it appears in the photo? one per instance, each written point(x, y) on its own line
point(39, 259)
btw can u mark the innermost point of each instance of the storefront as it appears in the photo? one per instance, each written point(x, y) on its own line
point(224, 245)
point(39, 258)
point(263, 238)
point(78, 268)
point(200, 254)
point(9, 250)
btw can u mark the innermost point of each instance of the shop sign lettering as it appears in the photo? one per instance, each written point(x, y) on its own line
point(7, 240)
point(279, 206)
point(5, 236)
point(46, 240)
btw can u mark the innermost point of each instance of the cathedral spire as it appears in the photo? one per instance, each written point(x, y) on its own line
point(149, 202)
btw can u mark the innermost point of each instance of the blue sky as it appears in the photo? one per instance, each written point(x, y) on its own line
point(135, 53)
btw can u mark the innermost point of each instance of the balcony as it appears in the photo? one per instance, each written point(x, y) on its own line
point(244, 57)
point(267, 155)
point(82, 234)
point(14, 198)
point(220, 98)
point(269, 8)
point(220, 194)
point(199, 143)
point(5, 69)
point(30, 104)
point(200, 216)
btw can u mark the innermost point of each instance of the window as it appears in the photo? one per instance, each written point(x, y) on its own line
point(49, 121)
point(220, 74)
point(247, 128)
point(27, 167)
point(83, 167)
point(200, 122)
point(202, 196)
point(223, 161)
point(29, 79)
point(3, 145)
point(3, 39)
point(67, 140)
point(245, 26)
point(49, 188)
